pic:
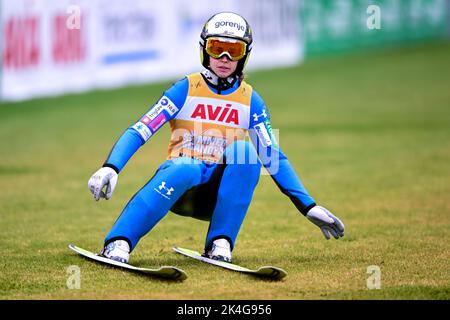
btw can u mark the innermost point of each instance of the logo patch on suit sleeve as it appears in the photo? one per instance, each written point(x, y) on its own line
point(157, 122)
point(263, 134)
point(163, 104)
point(271, 134)
point(168, 105)
point(143, 130)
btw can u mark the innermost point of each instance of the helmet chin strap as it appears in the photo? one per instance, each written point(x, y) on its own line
point(218, 83)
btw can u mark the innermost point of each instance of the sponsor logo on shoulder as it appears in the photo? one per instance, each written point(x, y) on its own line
point(257, 116)
point(157, 122)
point(163, 104)
point(168, 105)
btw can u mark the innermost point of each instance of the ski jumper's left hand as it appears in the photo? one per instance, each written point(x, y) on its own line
point(326, 221)
point(279, 167)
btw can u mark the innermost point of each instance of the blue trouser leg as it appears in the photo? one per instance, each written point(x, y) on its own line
point(153, 201)
point(239, 180)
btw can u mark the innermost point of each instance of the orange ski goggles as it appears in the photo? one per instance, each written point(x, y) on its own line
point(217, 47)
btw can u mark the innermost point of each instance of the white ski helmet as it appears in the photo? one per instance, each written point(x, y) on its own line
point(226, 25)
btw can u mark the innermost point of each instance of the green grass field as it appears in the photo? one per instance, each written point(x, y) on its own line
point(368, 133)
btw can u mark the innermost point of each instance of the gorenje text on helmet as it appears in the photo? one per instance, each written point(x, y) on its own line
point(229, 24)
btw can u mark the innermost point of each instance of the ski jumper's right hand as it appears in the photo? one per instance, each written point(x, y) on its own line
point(103, 177)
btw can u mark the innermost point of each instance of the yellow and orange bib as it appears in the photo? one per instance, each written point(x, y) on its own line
point(208, 122)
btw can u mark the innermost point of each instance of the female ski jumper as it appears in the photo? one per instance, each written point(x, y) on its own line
point(211, 170)
point(220, 137)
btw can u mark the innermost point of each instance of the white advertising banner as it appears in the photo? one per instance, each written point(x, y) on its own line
point(131, 40)
point(40, 53)
point(56, 47)
point(276, 32)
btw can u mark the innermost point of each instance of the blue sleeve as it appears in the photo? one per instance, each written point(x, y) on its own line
point(273, 158)
point(139, 133)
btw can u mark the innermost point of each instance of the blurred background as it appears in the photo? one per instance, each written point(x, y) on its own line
point(56, 47)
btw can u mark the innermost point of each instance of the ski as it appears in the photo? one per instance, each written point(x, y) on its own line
point(167, 272)
point(270, 272)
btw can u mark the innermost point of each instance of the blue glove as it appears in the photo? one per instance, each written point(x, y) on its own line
point(326, 221)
